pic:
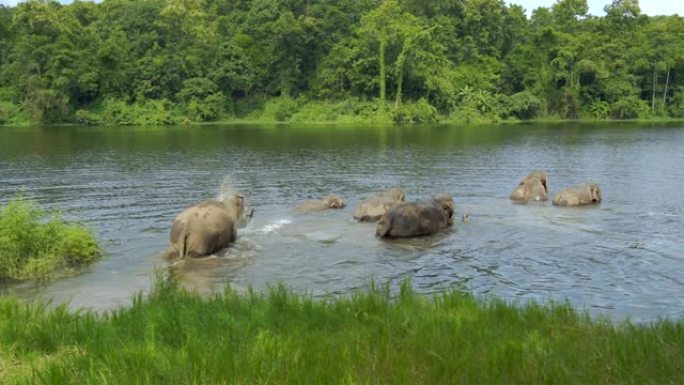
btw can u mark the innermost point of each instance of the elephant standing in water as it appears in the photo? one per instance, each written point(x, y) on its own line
point(587, 194)
point(532, 187)
point(375, 206)
point(329, 202)
point(207, 227)
point(413, 219)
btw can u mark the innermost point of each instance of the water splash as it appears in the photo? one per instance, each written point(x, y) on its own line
point(226, 191)
point(273, 226)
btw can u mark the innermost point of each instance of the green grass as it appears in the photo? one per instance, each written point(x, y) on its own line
point(37, 243)
point(176, 337)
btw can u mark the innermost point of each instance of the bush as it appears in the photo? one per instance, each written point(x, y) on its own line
point(206, 109)
point(467, 115)
point(87, 117)
point(600, 109)
point(418, 112)
point(34, 243)
point(11, 113)
point(523, 105)
point(279, 109)
point(318, 112)
point(147, 111)
point(675, 106)
point(630, 107)
point(116, 111)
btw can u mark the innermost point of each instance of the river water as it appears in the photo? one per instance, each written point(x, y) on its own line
point(623, 259)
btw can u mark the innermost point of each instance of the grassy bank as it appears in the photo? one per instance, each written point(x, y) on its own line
point(37, 243)
point(306, 111)
point(174, 337)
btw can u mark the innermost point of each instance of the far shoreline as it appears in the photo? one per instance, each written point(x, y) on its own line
point(365, 123)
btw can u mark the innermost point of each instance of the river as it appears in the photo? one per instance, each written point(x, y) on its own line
point(622, 259)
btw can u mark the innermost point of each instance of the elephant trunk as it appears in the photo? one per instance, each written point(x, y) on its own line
point(383, 228)
point(183, 246)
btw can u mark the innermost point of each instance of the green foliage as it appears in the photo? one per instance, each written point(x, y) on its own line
point(418, 112)
point(144, 112)
point(522, 105)
point(373, 336)
point(87, 117)
point(170, 61)
point(629, 108)
point(279, 109)
point(600, 109)
point(12, 114)
point(35, 243)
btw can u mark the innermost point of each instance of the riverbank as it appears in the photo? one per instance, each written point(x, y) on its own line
point(370, 337)
point(302, 111)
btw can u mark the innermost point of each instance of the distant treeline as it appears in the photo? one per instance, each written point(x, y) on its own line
point(175, 61)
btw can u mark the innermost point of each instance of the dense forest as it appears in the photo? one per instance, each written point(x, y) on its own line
point(180, 61)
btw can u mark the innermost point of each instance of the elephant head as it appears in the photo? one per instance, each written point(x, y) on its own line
point(446, 203)
point(595, 193)
point(413, 219)
point(376, 205)
point(238, 209)
point(533, 187)
point(587, 194)
point(334, 202)
point(312, 206)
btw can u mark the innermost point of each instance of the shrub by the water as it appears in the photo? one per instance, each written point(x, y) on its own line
point(372, 337)
point(35, 243)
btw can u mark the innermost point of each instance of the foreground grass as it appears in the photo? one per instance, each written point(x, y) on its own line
point(175, 337)
point(36, 243)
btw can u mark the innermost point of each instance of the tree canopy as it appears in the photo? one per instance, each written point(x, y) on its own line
point(170, 61)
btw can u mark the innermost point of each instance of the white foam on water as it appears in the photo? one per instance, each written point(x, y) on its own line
point(273, 226)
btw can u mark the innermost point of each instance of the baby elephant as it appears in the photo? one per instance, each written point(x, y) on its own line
point(207, 227)
point(413, 219)
point(532, 187)
point(587, 194)
point(375, 206)
point(329, 202)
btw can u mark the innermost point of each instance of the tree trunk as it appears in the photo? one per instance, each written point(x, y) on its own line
point(381, 80)
point(667, 83)
point(655, 83)
point(401, 59)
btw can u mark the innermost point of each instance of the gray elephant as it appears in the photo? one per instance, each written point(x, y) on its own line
point(375, 206)
point(329, 202)
point(413, 219)
point(207, 227)
point(532, 187)
point(587, 194)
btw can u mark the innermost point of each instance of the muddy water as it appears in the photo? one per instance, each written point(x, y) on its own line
point(622, 259)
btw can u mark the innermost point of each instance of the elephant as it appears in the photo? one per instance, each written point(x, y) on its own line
point(329, 202)
point(532, 187)
point(375, 206)
point(207, 227)
point(413, 219)
point(587, 194)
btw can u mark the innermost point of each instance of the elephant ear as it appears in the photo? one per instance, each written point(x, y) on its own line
point(238, 205)
point(595, 192)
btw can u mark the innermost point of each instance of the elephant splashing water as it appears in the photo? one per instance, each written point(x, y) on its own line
point(208, 226)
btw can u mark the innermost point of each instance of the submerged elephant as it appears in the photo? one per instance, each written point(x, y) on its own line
point(532, 187)
point(413, 219)
point(375, 206)
point(207, 227)
point(587, 194)
point(329, 202)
